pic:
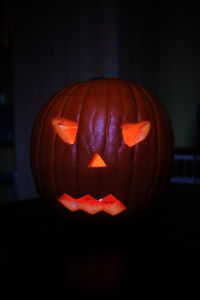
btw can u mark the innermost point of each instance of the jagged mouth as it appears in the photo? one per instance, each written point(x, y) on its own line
point(109, 204)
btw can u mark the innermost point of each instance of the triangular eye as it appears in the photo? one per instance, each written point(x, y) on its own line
point(66, 129)
point(134, 133)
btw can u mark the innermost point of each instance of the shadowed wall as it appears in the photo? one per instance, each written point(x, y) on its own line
point(57, 43)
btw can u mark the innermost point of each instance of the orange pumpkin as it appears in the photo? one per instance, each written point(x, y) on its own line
point(102, 146)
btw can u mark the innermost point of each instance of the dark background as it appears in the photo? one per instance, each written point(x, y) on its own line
point(46, 45)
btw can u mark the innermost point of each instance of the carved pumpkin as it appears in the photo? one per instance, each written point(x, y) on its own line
point(102, 147)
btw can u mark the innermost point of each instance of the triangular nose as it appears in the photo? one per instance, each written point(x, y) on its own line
point(96, 162)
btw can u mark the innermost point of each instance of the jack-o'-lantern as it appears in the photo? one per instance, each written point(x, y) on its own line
point(102, 146)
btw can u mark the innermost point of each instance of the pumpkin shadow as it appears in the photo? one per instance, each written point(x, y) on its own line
point(106, 261)
point(52, 254)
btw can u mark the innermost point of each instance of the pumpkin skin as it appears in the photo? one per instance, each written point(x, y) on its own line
point(134, 175)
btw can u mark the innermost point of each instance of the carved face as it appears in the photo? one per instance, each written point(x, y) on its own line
point(67, 131)
point(102, 146)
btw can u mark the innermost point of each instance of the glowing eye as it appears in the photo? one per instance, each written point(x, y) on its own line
point(134, 133)
point(66, 129)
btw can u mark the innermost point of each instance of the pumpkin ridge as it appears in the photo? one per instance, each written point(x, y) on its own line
point(122, 142)
point(132, 173)
point(52, 154)
point(169, 134)
point(42, 124)
point(66, 100)
point(68, 97)
point(107, 96)
point(157, 154)
point(107, 122)
point(90, 84)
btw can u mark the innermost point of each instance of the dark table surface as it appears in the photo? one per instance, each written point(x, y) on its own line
point(159, 252)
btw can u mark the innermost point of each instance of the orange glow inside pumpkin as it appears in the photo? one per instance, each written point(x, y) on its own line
point(134, 133)
point(66, 129)
point(97, 162)
point(90, 205)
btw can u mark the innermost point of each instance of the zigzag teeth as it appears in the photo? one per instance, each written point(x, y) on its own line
point(90, 205)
